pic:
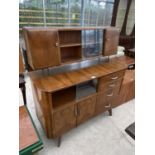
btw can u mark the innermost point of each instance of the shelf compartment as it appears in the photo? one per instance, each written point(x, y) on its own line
point(63, 97)
point(70, 54)
point(70, 37)
point(85, 89)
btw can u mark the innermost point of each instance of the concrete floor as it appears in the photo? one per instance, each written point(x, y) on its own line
point(102, 135)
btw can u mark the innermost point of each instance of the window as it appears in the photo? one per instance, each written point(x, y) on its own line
point(65, 12)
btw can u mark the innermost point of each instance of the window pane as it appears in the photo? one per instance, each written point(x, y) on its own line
point(31, 13)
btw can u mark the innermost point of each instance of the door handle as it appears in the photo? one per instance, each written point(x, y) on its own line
point(75, 112)
point(79, 112)
point(56, 44)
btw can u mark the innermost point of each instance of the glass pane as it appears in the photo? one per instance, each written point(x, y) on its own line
point(31, 13)
point(56, 12)
point(92, 42)
point(75, 12)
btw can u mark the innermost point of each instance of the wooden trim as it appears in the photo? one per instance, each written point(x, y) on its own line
point(123, 31)
point(114, 14)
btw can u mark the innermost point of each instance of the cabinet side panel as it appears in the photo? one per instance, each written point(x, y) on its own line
point(43, 110)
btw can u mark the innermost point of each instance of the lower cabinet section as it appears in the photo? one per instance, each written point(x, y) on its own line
point(86, 108)
point(64, 120)
point(73, 114)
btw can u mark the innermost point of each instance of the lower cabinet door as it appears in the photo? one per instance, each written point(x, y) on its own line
point(64, 120)
point(86, 108)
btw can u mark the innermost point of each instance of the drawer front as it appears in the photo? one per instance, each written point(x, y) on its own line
point(86, 108)
point(112, 77)
point(105, 100)
point(64, 120)
point(109, 85)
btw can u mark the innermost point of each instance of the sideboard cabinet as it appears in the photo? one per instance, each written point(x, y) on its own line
point(64, 101)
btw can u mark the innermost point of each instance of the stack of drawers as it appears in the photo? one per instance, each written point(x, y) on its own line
point(108, 88)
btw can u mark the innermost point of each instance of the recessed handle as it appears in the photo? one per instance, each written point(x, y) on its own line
point(110, 94)
point(108, 106)
point(56, 44)
point(75, 112)
point(112, 85)
point(114, 78)
point(79, 111)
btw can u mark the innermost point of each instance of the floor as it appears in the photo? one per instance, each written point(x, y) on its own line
point(102, 135)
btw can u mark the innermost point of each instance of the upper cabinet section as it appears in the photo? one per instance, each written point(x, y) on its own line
point(110, 41)
point(42, 47)
point(49, 47)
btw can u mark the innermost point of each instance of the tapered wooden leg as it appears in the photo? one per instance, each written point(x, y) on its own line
point(110, 112)
point(59, 141)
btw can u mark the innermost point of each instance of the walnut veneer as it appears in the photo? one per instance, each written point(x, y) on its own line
point(57, 105)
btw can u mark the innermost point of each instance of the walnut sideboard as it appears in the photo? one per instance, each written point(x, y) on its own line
point(65, 100)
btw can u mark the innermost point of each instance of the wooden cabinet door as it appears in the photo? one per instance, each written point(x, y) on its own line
point(42, 47)
point(86, 108)
point(64, 120)
point(110, 41)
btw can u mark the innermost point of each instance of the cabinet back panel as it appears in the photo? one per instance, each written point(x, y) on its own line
point(66, 37)
point(70, 53)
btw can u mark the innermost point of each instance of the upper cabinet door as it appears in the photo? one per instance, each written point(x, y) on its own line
point(42, 47)
point(110, 41)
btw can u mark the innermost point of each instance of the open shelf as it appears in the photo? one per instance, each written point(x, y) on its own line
point(85, 89)
point(70, 37)
point(63, 97)
point(70, 54)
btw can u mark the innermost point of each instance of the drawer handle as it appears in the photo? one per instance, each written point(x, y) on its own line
point(108, 106)
point(114, 78)
point(110, 94)
point(56, 44)
point(112, 85)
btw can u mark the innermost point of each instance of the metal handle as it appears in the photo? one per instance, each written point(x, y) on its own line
point(114, 78)
point(76, 113)
point(108, 106)
point(112, 85)
point(79, 111)
point(110, 94)
point(56, 44)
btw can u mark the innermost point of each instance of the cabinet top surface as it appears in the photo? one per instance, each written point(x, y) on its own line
point(60, 81)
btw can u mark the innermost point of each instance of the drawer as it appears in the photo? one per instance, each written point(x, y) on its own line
point(103, 86)
point(105, 100)
point(112, 77)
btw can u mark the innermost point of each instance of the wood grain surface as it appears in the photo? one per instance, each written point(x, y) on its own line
point(64, 80)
